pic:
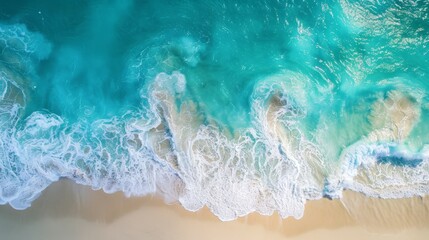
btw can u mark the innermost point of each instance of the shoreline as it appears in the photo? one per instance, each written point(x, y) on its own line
point(70, 211)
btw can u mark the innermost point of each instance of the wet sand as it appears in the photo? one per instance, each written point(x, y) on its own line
point(68, 211)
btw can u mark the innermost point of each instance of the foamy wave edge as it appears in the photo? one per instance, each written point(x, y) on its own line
point(185, 156)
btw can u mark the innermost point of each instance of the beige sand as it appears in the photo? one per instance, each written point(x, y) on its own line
point(68, 211)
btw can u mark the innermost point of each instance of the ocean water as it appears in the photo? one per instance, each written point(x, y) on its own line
point(239, 106)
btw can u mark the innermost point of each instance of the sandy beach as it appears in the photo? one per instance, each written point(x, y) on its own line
point(68, 211)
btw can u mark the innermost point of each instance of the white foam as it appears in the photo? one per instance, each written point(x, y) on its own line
point(16, 40)
point(270, 167)
point(185, 156)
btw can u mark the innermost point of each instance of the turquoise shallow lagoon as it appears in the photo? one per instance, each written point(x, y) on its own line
point(240, 106)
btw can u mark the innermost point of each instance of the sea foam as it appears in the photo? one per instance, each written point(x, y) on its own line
point(306, 134)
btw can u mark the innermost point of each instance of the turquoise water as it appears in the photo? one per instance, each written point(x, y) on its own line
point(240, 106)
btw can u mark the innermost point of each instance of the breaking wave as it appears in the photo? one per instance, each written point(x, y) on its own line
point(301, 139)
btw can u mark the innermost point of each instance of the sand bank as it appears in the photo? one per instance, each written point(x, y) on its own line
point(69, 211)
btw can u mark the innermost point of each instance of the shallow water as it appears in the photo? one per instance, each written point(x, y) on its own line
point(236, 105)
